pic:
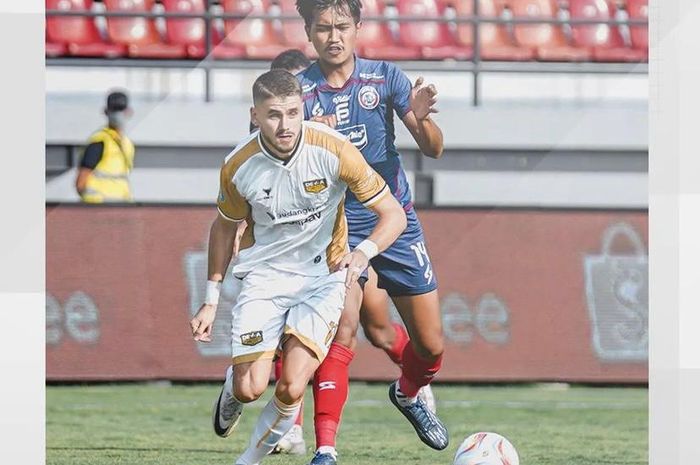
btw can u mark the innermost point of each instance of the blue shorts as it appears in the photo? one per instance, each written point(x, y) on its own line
point(404, 268)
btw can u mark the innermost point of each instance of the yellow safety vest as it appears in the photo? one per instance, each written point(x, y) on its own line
point(109, 181)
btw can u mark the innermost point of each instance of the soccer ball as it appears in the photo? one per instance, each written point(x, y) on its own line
point(486, 449)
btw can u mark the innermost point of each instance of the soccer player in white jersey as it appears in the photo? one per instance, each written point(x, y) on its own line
point(288, 182)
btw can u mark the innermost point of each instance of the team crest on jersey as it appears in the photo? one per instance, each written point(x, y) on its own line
point(252, 338)
point(315, 186)
point(368, 97)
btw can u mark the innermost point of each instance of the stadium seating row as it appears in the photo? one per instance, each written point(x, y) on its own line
point(136, 37)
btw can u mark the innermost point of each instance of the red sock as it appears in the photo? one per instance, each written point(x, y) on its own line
point(395, 352)
point(416, 372)
point(331, 393)
point(278, 368)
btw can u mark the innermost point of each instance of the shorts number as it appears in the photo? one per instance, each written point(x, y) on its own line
point(423, 260)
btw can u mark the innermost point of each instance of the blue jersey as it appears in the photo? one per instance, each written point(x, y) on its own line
point(364, 108)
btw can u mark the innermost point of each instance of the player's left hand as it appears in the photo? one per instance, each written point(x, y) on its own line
point(356, 262)
point(423, 99)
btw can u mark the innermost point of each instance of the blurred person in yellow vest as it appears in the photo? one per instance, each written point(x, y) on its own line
point(103, 175)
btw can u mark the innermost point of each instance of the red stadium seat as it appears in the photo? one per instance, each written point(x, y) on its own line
point(139, 34)
point(432, 38)
point(77, 35)
point(53, 50)
point(255, 37)
point(547, 40)
point(639, 35)
point(495, 43)
point(375, 40)
point(293, 32)
point(189, 32)
point(604, 41)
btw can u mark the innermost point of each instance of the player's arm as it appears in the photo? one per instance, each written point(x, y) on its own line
point(370, 189)
point(91, 157)
point(391, 222)
point(81, 180)
point(424, 130)
point(233, 209)
point(222, 237)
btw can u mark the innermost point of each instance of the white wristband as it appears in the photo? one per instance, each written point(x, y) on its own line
point(213, 291)
point(368, 248)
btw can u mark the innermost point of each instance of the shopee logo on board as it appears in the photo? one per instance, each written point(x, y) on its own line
point(78, 319)
point(488, 319)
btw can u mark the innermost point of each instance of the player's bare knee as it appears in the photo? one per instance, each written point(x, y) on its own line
point(246, 393)
point(378, 336)
point(290, 391)
point(346, 336)
point(429, 350)
point(347, 332)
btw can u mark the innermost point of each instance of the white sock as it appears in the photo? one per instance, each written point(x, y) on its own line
point(402, 398)
point(274, 422)
point(328, 450)
point(228, 382)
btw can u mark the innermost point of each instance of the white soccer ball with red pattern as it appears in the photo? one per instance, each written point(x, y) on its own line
point(486, 449)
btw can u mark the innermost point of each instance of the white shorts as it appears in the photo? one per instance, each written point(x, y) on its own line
point(274, 304)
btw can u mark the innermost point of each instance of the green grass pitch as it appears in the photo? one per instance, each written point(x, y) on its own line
point(170, 425)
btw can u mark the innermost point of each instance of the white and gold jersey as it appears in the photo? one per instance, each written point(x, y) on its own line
point(294, 207)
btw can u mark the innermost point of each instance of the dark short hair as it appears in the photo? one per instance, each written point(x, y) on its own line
point(117, 101)
point(275, 83)
point(290, 60)
point(307, 8)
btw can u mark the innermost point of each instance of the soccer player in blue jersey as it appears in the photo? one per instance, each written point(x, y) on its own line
point(360, 98)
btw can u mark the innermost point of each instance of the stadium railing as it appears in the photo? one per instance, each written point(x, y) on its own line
point(476, 65)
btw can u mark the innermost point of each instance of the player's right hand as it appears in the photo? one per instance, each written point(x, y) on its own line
point(356, 262)
point(203, 322)
point(328, 120)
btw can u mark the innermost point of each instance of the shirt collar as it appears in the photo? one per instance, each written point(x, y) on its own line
point(354, 76)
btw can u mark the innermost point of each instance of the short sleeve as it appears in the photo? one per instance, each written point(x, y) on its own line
point(231, 203)
point(367, 185)
point(92, 155)
point(399, 90)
